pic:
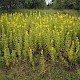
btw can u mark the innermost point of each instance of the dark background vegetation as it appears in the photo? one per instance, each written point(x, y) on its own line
point(39, 4)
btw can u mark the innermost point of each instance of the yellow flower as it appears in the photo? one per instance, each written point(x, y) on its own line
point(54, 27)
point(27, 33)
point(30, 30)
point(70, 22)
point(60, 16)
point(67, 33)
point(73, 17)
point(51, 41)
point(30, 50)
point(69, 16)
point(36, 27)
point(78, 18)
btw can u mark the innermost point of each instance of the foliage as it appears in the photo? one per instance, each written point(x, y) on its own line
point(39, 4)
point(9, 4)
point(34, 36)
point(35, 4)
point(65, 4)
point(15, 4)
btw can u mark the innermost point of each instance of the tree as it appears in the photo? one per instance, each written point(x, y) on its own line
point(57, 4)
point(77, 5)
point(69, 4)
point(30, 4)
point(65, 4)
point(35, 4)
point(9, 4)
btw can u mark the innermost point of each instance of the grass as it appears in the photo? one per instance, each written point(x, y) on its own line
point(50, 11)
point(22, 72)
